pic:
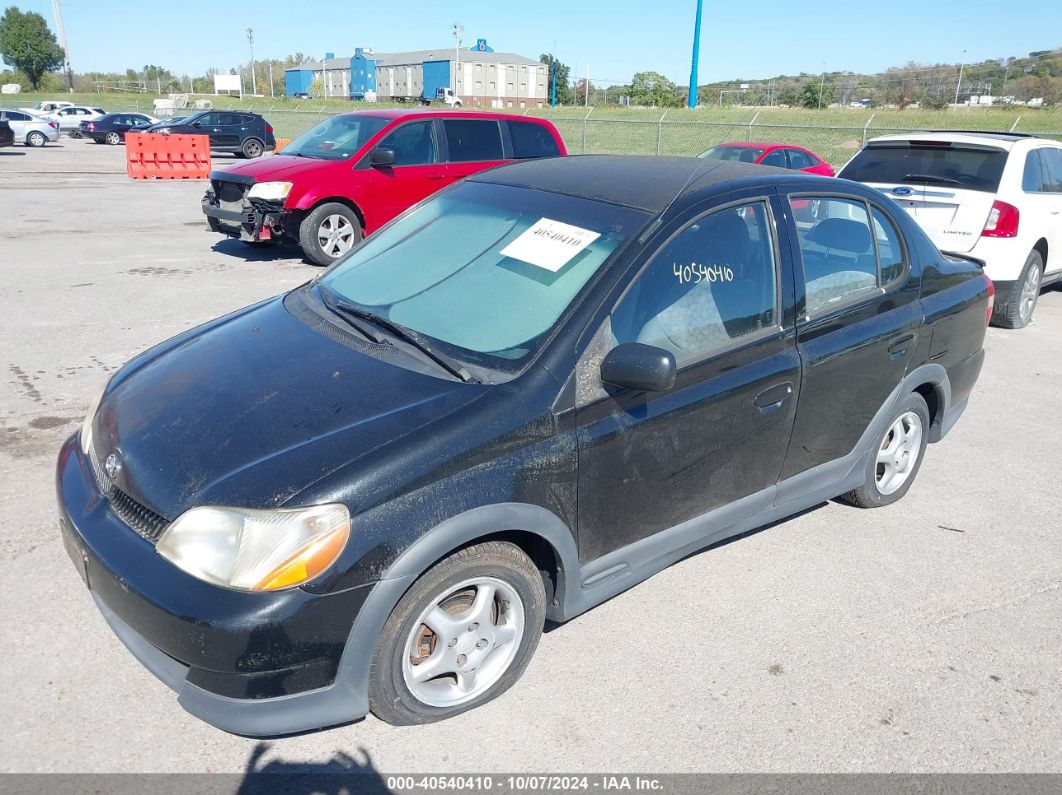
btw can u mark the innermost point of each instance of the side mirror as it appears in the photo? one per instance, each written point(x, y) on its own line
point(383, 156)
point(197, 124)
point(634, 365)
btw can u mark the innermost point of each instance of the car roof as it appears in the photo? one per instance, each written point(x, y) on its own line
point(400, 113)
point(644, 182)
point(998, 139)
point(751, 145)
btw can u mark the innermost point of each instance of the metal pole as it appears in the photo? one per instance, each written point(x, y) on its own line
point(553, 91)
point(866, 126)
point(586, 88)
point(822, 83)
point(691, 99)
point(958, 84)
point(587, 116)
point(250, 43)
point(659, 129)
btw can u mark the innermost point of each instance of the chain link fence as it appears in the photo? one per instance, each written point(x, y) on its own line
point(584, 134)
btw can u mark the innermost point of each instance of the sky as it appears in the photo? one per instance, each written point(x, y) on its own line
point(613, 39)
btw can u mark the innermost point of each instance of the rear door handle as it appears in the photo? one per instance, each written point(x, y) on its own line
point(899, 346)
point(772, 398)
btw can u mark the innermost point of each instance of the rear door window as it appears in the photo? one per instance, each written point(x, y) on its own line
point(1052, 162)
point(840, 253)
point(472, 139)
point(1032, 177)
point(775, 158)
point(930, 163)
point(798, 159)
point(531, 140)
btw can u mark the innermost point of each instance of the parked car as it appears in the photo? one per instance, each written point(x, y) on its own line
point(354, 172)
point(530, 392)
point(112, 127)
point(165, 123)
point(301, 95)
point(70, 118)
point(29, 129)
point(994, 196)
point(242, 133)
point(7, 135)
point(767, 154)
point(47, 106)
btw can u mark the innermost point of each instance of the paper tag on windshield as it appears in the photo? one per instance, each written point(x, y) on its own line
point(549, 244)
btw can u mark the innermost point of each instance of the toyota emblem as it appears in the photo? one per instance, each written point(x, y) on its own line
point(113, 465)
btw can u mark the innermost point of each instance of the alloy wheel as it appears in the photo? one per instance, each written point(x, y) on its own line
point(463, 642)
point(898, 453)
point(335, 235)
point(1030, 292)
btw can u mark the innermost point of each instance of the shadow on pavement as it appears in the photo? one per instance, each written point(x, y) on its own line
point(340, 774)
point(261, 252)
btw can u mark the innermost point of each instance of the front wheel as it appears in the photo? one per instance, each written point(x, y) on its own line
point(36, 139)
point(460, 637)
point(112, 138)
point(329, 232)
point(892, 468)
point(1015, 309)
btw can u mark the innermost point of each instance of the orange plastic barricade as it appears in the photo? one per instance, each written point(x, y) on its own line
point(281, 143)
point(153, 156)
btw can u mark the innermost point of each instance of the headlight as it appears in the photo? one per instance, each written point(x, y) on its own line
point(256, 550)
point(85, 436)
point(270, 191)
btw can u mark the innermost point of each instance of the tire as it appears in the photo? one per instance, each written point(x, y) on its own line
point(1015, 309)
point(322, 246)
point(499, 645)
point(909, 431)
point(36, 139)
point(252, 148)
point(112, 138)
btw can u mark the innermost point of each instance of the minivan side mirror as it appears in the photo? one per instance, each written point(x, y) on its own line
point(634, 365)
point(383, 156)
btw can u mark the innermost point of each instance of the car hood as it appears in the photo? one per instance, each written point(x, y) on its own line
point(278, 167)
point(252, 409)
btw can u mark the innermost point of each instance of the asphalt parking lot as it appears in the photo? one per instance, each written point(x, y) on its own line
point(926, 636)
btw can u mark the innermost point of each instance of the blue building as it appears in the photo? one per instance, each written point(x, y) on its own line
point(479, 76)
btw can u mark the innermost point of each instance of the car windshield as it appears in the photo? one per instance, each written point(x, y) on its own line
point(486, 270)
point(741, 154)
point(336, 138)
point(929, 162)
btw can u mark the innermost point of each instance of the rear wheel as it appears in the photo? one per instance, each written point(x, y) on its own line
point(329, 232)
point(897, 458)
point(1015, 310)
point(112, 138)
point(36, 139)
point(252, 148)
point(460, 637)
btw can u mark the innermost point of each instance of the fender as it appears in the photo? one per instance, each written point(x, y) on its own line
point(352, 678)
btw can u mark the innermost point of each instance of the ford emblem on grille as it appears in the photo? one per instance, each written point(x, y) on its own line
point(113, 465)
point(901, 191)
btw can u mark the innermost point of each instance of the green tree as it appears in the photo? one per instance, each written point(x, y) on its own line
point(28, 45)
point(816, 94)
point(564, 89)
point(652, 88)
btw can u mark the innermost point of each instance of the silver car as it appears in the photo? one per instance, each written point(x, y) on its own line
point(70, 118)
point(30, 130)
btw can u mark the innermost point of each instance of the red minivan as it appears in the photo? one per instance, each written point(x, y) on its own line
point(354, 172)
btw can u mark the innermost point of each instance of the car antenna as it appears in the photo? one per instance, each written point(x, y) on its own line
point(696, 174)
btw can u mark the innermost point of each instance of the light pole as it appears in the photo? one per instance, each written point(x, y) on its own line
point(691, 99)
point(822, 83)
point(250, 43)
point(458, 28)
point(959, 84)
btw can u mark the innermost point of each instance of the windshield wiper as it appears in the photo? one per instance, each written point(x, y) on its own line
point(929, 178)
point(406, 335)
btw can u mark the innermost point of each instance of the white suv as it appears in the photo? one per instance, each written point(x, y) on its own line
point(994, 196)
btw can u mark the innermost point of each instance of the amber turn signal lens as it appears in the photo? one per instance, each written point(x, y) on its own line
point(307, 562)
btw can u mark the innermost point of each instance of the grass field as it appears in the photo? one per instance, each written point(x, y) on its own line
point(834, 133)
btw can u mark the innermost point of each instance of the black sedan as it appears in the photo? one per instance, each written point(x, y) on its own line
point(7, 135)
point(112, 127)
point(527, 394)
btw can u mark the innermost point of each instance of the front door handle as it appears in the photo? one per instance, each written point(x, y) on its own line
point(899, 346)
point(436, 176)
point(772, 398)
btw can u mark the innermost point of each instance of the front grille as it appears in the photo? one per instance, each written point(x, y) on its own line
point(229, 192)
point(139, 517)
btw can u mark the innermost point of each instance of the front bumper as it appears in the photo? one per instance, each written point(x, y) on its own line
point(251, 222)
point(252, 664)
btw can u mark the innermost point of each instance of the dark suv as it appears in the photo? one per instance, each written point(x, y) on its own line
point(239, 132)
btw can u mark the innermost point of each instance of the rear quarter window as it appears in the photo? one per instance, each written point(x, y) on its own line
point(472, 139)
point(531, 140)
point(969, 168)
